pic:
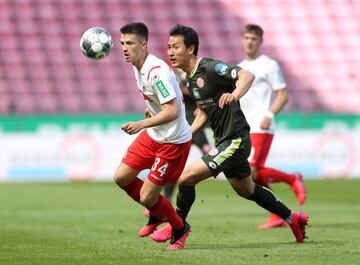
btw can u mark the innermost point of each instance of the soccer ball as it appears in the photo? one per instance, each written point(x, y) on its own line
point(96, 43)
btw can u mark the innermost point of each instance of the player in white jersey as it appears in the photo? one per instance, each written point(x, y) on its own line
point(259, 110)
point(164, 146)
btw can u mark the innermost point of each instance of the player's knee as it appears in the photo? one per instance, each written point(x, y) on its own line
point(243, 192)
point(244, 187)
point(119, 180)
point(186, 179)
point(116, 178)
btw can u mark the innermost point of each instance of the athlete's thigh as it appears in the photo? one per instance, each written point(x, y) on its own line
point(169, 162)
point(230, 157)
point(261, 143)
point(140, 154)
point(124, 174)
point(196, 172)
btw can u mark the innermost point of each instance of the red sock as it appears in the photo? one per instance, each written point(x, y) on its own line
point(163, 209)
point(267, 174)
point(133, 189)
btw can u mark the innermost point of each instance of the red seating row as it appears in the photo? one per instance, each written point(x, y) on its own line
point(43, 70)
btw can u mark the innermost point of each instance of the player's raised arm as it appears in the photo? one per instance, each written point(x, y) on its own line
point(169, 113)
point(243, 83)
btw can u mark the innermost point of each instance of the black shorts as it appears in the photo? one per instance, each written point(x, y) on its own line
point(230, 157)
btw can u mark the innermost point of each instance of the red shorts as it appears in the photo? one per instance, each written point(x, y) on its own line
point(165, 161)
point(260, 147)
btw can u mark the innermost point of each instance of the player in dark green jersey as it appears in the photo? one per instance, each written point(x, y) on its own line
point(217, 88)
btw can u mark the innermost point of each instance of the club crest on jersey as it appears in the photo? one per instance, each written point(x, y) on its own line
point(221, 69)
point(200, 82)
point(214, 152)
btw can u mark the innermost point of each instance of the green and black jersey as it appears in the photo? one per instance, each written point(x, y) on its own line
point(207, 82)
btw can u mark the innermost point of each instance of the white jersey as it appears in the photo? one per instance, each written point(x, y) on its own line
point(257, 101)
point(158, 85)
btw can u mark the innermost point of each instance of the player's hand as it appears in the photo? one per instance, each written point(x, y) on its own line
point(265, 123)
point(226, 99)
point(147, 113)
point(133, 127)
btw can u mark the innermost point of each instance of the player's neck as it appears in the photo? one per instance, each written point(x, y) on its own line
point(139, 63)
point(191, 65)
point(250, 57)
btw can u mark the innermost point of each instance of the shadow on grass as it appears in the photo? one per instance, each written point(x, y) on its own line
point(339, 225)
point(308, 241)
point(240, 245)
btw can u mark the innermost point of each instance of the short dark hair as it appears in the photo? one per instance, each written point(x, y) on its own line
point(253, 28)
point(189, 34)
point(137, 28)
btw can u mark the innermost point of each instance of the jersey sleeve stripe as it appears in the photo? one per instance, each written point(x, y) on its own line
point(151, 70)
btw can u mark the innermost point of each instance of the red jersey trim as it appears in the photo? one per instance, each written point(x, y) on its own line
point(151, 70)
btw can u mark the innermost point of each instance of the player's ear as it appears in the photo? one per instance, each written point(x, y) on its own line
point(191, 49)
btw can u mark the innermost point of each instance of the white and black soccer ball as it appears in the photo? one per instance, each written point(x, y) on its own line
point(96, 43)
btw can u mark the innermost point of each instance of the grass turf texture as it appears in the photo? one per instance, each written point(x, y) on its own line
point(96, 223)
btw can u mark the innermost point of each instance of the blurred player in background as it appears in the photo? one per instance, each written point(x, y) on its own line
point(164, 146)
point(217, 88)
point(259, 111)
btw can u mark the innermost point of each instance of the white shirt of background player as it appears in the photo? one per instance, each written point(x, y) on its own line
point(256, 103)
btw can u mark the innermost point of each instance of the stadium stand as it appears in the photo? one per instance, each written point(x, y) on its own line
point(43, 71)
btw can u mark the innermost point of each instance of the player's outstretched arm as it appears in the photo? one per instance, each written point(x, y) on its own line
point(169, 113)
point(243, 83)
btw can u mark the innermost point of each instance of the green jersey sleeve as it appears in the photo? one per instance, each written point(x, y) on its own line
point(222, 73)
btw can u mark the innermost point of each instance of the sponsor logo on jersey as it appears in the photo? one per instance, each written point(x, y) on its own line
point(213, 165)
point(156, 177)
point(162, 89)
point(214, 152)
point(196, 93)
point(221, 69)
point(200, 82)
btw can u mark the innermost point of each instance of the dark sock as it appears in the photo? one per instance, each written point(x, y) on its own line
point(267, 200)
point(164, 210)
point(169, 190)
point(153, 220)
point(185, 200)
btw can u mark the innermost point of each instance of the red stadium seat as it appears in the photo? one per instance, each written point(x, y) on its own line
point(316, 43)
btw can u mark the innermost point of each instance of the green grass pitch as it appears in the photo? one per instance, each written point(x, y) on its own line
point(96, 223)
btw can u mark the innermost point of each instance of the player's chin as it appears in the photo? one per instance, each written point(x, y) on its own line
point(175, 64)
